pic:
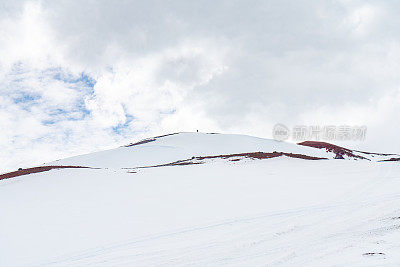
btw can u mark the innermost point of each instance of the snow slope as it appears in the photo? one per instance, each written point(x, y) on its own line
point(183, 146)
point(278, 211)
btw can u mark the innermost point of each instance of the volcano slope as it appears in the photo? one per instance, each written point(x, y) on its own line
point(204, 199)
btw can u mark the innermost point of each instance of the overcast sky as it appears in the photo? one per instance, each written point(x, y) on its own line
point(80, 76)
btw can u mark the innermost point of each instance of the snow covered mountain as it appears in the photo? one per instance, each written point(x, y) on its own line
point(205, 199)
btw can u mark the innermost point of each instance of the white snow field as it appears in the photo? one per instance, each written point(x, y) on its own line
point(279, 211)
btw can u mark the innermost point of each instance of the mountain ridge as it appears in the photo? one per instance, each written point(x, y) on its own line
point(275, 149)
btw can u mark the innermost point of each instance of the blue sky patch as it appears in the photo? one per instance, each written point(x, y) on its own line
point(24, 97)
point(118, 129)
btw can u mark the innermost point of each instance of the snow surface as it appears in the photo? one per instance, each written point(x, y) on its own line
point(275, 212)
point(184, 146)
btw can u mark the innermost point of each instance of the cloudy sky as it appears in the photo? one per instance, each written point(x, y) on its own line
point(80, 76)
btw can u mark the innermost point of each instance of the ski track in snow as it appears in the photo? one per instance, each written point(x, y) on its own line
point(247, 232)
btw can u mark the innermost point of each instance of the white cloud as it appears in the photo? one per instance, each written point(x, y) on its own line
point(362, 18)
point(151, 87)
